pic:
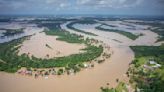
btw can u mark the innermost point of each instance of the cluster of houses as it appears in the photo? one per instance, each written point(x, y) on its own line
point(152, 64)
point(53, 71)
point(24, 72)
point(36, 73)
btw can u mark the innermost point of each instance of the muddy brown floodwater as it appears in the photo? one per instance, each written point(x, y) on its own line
point(87, 80)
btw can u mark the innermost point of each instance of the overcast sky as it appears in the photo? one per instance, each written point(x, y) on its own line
point(111, 7)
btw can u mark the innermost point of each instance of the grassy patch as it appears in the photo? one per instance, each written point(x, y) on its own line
point(65, 36)
point(120, 88)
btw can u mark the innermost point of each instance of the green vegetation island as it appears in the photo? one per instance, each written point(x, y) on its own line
point(127, 34)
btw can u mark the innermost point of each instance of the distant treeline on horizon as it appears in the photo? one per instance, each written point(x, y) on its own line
point(138, 17)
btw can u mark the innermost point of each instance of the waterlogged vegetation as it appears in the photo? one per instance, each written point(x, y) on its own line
point(74, 61)
point(156, 27)
point(85, 21)
point(10, 32)
point(55, 23)
point(70, 26)
point(127, 34)
point(50, 25)
point(51, 20)
point(147, 70)
point(120, 88)
point(108, 25)
point(160, 32)
point(48, 46)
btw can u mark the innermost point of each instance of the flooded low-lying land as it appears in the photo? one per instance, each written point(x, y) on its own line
point(108, 73)
point(28, 29)
point(42, 46)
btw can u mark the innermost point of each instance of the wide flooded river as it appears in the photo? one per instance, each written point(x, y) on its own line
point(88, 80)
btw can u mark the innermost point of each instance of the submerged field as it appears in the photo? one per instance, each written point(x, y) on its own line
point(16, 62)
point(44, 46)
point(154, 26)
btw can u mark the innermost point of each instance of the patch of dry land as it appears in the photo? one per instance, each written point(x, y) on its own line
point(41, 45)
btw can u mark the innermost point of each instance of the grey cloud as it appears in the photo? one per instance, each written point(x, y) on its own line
point(81, 5)
point(10, 5)
point(109, 3)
